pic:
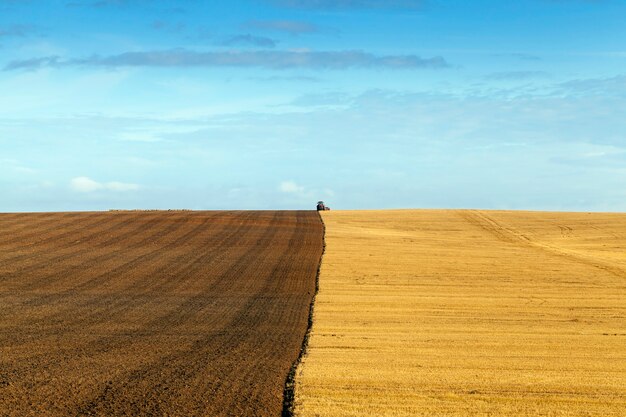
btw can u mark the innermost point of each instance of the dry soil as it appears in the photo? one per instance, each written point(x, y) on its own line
point(153, 313)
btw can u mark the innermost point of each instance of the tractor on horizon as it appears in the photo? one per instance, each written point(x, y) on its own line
point(321, 206)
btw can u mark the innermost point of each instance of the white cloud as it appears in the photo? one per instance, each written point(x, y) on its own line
point(121, 186)
point(268, 59)
point(291, 187)
point(293, 192)
point(139, 137)
point(87, 185)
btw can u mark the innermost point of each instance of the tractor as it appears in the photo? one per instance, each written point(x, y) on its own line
point(321, 206)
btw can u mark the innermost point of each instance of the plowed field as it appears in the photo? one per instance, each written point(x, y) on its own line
point(153, 313)
point(468, 313)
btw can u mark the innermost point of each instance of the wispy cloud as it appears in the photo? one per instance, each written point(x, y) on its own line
point(172, 6)
point(33, 63)
point(516, 75)
point(104, 3)
point(575, 1)
point(606, 87)
point(17, 31)
point(293, 191)
point(323, 99)
point(164, 26)
point(349, 4)
point(292, 27)
point(519, 55)
point(250, 40)
point(290, 187)
point(295, 78)
point(277, 60)
point(88, 185)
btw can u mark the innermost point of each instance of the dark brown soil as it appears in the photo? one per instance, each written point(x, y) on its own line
point(153, 313)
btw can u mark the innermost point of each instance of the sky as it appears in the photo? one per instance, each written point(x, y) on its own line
point(276, 104)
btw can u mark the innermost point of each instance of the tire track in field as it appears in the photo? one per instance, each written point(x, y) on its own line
point(254, 311)
point(10, 220)
point(114, 391)
point(81, 270)
point(47, 223)
point(100, 279)
point(118, 306)
point(77, 232)
point(9, 217)
point(126, 266)
point(27, 232)
point(510, 235)
point(93, 281)
point(218, 327)
point(21, 221)
point(198, 354)
point(77, 250)
point(72, 229)
point(239, 264)
point(182, 269)
point(155, 322)
point(81, 250)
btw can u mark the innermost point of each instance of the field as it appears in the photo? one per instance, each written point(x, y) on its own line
point(153, 313)
point(468, 313)
point(420, 312)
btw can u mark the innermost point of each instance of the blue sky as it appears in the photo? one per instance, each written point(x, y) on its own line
point(275, 104)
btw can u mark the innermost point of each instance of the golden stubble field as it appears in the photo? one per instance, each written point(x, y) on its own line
point(468, 313)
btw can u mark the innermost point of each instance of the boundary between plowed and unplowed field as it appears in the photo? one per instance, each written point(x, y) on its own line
point(289, 394)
